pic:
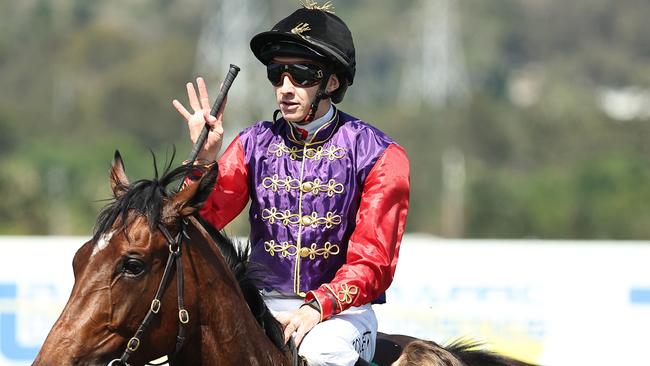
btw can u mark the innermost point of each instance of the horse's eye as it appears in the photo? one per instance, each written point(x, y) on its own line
point(132, 267)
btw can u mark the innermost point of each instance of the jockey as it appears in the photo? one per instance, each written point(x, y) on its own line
point(329, 192)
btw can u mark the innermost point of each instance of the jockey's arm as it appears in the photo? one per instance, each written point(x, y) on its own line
point(374, 245)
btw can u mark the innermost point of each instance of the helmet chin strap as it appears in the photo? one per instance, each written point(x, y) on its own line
point(320, 94)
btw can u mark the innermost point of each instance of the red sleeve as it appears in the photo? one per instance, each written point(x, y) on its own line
point(230, 194)
point(374, 245)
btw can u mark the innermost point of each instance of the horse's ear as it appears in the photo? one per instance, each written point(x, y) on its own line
point(118, 179)
point(192, 198)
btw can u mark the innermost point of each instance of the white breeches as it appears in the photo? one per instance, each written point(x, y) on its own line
point(340, 340)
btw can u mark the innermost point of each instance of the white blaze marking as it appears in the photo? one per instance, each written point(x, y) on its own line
point(102, 242)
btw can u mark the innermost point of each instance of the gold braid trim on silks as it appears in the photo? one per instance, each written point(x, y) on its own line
point(330, 153)
point(274, 183)
point(327, 6)
point(285, 249)
point(316, 186)
point(286, 218)
point(281, 149)
point(347, 293)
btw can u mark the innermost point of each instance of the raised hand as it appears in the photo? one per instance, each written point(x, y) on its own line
point(200, 105)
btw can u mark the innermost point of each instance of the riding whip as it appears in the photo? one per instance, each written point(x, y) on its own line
point(230, 77)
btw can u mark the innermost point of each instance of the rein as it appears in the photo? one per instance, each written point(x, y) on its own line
point(174, 258)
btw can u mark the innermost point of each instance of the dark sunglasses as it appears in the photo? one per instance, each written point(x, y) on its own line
point(303, 75)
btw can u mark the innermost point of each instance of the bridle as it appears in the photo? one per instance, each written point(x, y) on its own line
point(174, 259)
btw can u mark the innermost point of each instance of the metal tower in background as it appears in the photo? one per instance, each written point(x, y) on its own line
point(434, 68)
point(228, 28)
point(452, 210)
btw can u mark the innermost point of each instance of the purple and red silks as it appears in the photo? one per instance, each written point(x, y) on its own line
point(327, 215)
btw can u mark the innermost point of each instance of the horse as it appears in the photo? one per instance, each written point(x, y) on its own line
point(403, 350)
point(123, 309)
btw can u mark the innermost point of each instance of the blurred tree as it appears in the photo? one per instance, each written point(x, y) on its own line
point(541, 158)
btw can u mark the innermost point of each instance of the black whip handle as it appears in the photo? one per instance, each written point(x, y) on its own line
point(223, 92)
point(230, 77)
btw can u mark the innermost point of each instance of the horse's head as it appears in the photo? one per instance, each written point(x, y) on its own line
point(118, 272)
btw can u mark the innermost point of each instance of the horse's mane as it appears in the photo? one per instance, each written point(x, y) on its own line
point(147, 197)
point(249, 277)
point(471, 353)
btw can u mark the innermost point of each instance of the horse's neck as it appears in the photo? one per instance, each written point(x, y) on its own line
point(229, 334)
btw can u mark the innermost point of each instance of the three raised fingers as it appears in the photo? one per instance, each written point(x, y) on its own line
point(200, 103)
point(203, 93)
point(181, 109)
point(191, 95)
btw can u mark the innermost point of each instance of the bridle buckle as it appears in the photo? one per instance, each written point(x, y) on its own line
point(183, 316)
point(134, 344)
point(155, 306)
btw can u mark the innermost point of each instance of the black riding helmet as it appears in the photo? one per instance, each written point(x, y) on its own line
point(312, 33)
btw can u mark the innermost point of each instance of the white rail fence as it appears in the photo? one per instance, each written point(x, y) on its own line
point(551, 302)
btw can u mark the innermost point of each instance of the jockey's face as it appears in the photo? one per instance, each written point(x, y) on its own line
point(293, 100)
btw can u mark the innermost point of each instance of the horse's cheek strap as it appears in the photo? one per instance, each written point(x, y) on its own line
point(183, 315)
point(174, 258)
point(134, 343)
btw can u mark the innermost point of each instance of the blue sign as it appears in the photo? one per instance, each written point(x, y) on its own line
point(640, 296)
point(10, 347)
